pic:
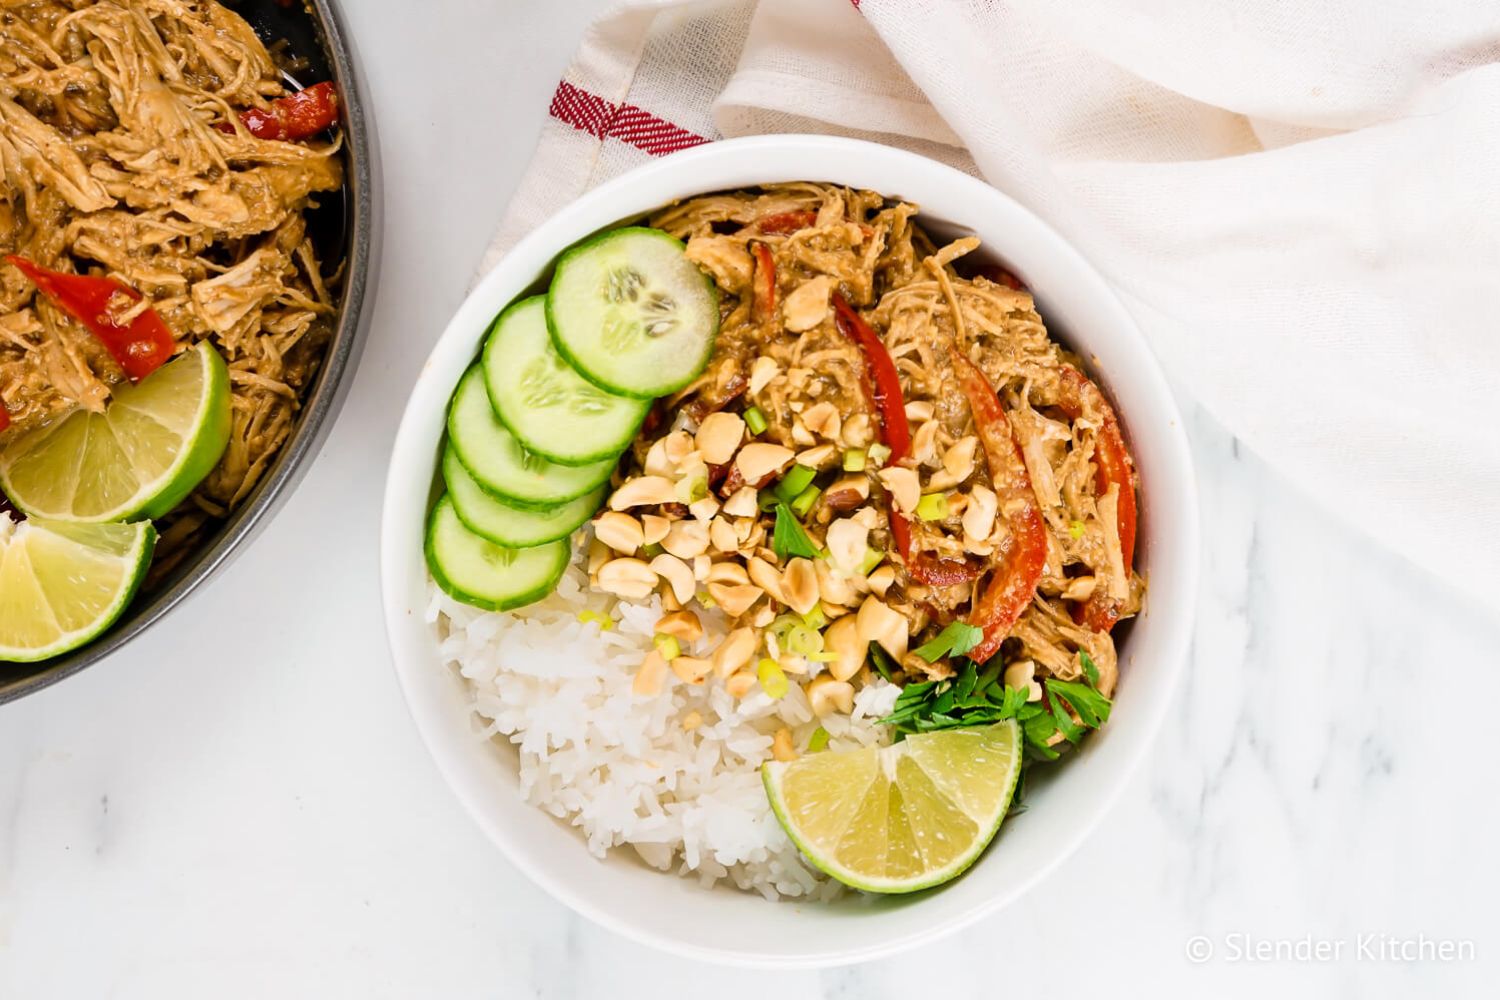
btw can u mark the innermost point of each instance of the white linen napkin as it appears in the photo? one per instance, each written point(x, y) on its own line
point(1299, 202)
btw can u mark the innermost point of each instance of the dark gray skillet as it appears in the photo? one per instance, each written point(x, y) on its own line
point(349, 231)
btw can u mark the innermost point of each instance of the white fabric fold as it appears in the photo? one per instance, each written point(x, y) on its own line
point(1299, 203)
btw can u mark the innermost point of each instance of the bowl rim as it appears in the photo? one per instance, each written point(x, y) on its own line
point(322, 403)
point(529, 258)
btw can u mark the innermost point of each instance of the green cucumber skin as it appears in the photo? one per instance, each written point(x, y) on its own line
point(435, 567)
point(580, 368)
point(561, 531)
point(524, 503)
point(612, 450)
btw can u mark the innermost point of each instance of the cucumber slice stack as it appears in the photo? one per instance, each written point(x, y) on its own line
point(565, 380)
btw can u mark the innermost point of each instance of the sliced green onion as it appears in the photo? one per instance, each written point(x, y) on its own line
point(653, 550)
point(879, 454)
point(933, 507)
point(828, 656)
point(872, 559)
point(1075, 528)
point(692, 490)
point(854, 460)
point(782, 624)
point(706, 599)
point(818, 740)
point(668, 647)
point(802, 640)
point(772, 678)
point(605, 622)
point(815, 618)
point(805, 501)
point(755, 420)
point(797, 479)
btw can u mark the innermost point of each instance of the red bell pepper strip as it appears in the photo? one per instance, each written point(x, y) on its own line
point(1024, 554)
point(296, 116)
point(1113, 467)
point(882, 387)
point(141, 345)
point(781, 223)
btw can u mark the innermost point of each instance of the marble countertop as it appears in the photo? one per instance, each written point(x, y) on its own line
point(231, 810)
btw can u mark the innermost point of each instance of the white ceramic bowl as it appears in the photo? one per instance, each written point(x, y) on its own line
point(724, 924)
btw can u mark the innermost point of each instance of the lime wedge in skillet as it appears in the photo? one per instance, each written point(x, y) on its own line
point(899, 818)
point(139, 458)
point(61, 583)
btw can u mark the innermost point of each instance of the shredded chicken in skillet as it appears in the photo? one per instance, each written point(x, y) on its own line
point(122, 155)
point(1019, 517)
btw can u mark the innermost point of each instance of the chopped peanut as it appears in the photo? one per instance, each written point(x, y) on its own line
point(648, 678)
point(678, 576)
point(681, 625)
point(904, 487)
point(719, 435)
point(686, 539)
point(759, 459)
point(734, 652)
point(619, 531)
point(643, 491)
point(799, 582)
point(654, 528)
point(742, 503)
point(627, 578)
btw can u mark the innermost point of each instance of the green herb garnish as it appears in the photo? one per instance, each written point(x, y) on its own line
point(789, 538)
point(755, 420)
point(955, 640)
point(978, 696)
point(1090, 669)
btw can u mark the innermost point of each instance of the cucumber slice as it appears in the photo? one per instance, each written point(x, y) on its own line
point(511, 526)
point(551, 409)
point(483, 574)
point(499, 464)
point(632, 313)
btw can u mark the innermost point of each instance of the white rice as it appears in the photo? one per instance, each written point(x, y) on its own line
point(622, 768)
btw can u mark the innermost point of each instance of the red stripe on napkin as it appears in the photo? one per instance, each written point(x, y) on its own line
point(631, 125)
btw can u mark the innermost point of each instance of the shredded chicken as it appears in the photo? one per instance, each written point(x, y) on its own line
point(779, 255)
point(121, 154)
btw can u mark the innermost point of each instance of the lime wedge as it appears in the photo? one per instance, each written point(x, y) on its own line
point(61, 583)
point(139, 458)
point(899, 818)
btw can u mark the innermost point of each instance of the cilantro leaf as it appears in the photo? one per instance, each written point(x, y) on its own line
point(955, 640)
point(789, 538)
point(1090, 669)
point(885, 665)
point(1091, 706)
